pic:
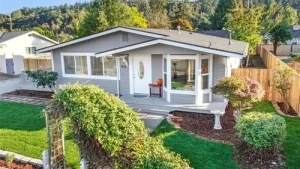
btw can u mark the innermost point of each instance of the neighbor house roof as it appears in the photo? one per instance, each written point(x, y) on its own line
point(5, 36)
point(217, 33)
point(171, 36)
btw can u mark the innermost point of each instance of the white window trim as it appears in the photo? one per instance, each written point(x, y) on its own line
point(89, 75)
point(210, 74)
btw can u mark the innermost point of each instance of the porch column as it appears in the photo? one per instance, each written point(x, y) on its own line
point(227, 66)
point(169, 76)
point(199, 93)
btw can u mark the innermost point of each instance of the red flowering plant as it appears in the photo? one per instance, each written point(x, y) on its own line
point(240, 92)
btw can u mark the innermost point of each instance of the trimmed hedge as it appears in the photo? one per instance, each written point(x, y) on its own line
point(261, 130)
point(116, 127)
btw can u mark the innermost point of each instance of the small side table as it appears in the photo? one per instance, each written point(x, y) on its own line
point(155, 86)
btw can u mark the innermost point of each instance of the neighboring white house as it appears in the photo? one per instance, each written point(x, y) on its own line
point(295, 30)
point(15, 46)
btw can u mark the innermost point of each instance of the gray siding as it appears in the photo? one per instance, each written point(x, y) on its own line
point(218, 73)
point(156, 67)
point(162, 49)
point(103, 43)
point(205, 98)
point(184, 99)
point(165, 96)
point(97, 45)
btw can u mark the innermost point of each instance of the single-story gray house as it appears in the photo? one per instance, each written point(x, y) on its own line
point(125, 60)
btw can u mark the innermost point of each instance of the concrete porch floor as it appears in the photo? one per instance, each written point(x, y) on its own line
point(161, 106)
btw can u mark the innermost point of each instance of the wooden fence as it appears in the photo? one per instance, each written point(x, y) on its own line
point(35, 64)
point(265, 77)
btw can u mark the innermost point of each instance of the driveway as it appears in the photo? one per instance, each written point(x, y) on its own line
point(8, 84)
point(151, 120)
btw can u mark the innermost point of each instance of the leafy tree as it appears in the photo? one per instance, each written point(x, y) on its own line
point(244, 24)
point(280, 34)
point(45, 32)
point(181, 14)
point(283, 78)
point(219, 18)
point(16, 14)
point(106, 14)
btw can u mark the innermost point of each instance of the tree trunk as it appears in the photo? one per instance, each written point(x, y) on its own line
point(275, 44)
point(247, 61)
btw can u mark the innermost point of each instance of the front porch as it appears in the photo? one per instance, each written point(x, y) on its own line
point(161, 106)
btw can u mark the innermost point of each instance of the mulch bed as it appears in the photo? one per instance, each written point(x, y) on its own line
point(292, 112)
point(16, 165)
point(203, 125)
point(31, 93)
point(246, 156)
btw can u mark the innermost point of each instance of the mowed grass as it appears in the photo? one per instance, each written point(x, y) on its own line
point(200, 153)
point(291, 145)
point(22, 130)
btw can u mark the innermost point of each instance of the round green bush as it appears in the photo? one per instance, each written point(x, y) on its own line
point(261, 130)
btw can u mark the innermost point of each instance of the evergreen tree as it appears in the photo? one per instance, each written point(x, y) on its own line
point(219, 18)
point(280, 34)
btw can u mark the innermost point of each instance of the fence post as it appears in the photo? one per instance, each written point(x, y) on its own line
point(83, 164)
point(46, 160)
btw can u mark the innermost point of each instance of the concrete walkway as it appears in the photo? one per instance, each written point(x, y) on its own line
point(151, 120)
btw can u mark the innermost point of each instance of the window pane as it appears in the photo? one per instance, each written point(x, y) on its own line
point(69, 64)
point(165, 79)
point(165, 65)
point(204, 80)
point(204, 66)
point(141, 70)
point(81, 65)
point(110, 68)
point(97, 66)
point(183, 74)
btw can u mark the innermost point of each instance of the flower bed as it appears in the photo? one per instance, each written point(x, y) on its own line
point(31, 93)
point(203, 125)
point(16, 165)
point(247, 157)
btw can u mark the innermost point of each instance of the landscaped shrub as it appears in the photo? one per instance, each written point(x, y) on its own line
point(43, 78)
point(107, 131)
point(261, 130)
point(239, 91)
point(297, 59)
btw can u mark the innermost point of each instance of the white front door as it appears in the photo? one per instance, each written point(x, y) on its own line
point(141, 74)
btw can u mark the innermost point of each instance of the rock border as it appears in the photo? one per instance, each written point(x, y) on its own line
point(169, 120)
point(277, 108)
point(23, 159)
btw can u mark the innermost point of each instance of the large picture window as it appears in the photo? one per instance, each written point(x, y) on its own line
point(103, 66)
point(183, 74)
point(76, 65)
point(89, 66)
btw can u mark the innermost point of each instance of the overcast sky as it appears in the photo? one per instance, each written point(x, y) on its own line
point(7, 6)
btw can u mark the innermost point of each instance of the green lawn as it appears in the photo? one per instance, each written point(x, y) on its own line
point(291, 144)
point(201, 154)
point(22, 130)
